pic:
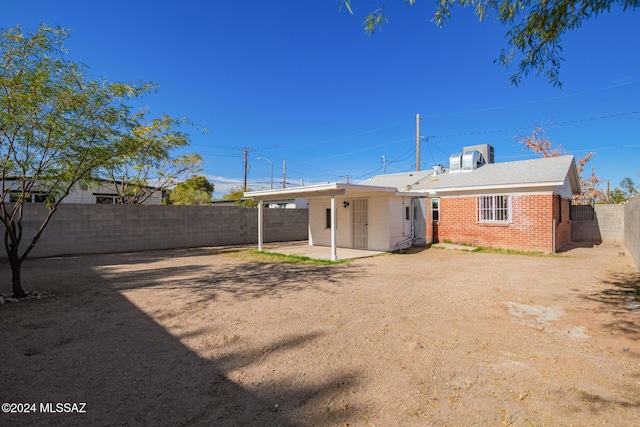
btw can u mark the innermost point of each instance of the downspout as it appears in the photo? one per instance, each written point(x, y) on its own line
point(401, 242)
point(553, 234)
point(412, 236)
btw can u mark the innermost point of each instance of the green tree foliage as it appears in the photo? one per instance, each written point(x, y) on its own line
point(58, 127)
point(618, 196)
point(629, 187)
point(535, 30)
point(196, 190)
point(237, 194)
point(153, 167)
point(627, 190)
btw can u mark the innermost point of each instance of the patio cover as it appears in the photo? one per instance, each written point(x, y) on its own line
point(331, 189)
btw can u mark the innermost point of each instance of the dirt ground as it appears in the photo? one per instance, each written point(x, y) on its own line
point(426, 338)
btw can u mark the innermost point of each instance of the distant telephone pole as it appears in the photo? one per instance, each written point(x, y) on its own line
point(418, 118)
point(284, 173)
point(245, 160)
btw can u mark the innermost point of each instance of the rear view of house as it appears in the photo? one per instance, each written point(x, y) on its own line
point(521, 205)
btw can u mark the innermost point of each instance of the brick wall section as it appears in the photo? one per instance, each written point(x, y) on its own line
point(632, 228)
point(530, 230)
point(563, 224)
point(83, 228)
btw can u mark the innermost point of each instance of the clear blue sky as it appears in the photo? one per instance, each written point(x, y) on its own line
point(301, 81)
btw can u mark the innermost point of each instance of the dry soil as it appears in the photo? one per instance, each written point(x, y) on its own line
point(427, 338)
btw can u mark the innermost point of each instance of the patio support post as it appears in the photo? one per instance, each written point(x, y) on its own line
point(334, 254)
point(260, 226)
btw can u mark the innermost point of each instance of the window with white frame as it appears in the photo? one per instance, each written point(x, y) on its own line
point(494, 209)
point(435, 209)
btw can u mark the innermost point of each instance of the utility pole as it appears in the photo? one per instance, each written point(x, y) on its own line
point(418, 118)
point(245, 160)
point(384, 165)
point(346, 178)
point(284, 173)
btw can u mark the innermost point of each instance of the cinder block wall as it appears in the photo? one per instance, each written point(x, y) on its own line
point(83, 228)
point(632, 228)
point(607, 226)
point(531, 229)
point(610, 219)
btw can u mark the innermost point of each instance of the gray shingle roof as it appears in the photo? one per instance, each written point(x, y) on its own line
point(398, 180)
point(551, 170)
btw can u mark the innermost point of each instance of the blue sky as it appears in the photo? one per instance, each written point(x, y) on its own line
point(301, 81)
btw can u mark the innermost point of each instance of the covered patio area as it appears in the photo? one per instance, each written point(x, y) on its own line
point(356, 229)
point(302, 248)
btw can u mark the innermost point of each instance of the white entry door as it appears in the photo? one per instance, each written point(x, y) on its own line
point(360, 224)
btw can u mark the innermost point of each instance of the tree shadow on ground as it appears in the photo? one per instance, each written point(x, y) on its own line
point(621, 297)
point(91, 344)
point(150, 256)
point(235, 280)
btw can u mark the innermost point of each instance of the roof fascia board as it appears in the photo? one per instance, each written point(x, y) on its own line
point(480, 189)
point(321, 190)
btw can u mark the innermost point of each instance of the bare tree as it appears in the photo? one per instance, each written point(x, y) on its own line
point(539, 143)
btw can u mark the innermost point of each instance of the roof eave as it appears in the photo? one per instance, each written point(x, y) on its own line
point(477, 189)
point(331, 189)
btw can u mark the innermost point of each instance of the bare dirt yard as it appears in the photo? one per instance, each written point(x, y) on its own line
point(426, 338)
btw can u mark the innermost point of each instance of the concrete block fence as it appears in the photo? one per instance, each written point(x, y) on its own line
point(606, 225)
point(632, 228)
point(83, 228)
point(612, 223)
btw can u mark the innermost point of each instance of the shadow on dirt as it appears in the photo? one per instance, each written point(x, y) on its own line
point(90, 344)
point(621, 296)
point(575, 245)
point(238, 280)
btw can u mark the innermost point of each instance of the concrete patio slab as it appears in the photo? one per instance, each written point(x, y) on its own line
point(317, 252)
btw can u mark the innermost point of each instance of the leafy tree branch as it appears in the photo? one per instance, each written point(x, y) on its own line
point(535, 27)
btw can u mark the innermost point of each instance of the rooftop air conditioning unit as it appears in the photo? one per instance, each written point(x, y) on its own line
point(471, 160)
point(455, 162)
point(486, 150)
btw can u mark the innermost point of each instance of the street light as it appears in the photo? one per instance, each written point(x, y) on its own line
point(271, 163)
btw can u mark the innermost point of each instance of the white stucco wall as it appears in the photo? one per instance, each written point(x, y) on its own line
point(386, 223)
point(321, 236)
point(399, 226)
point(379, 225)
point(565, 189)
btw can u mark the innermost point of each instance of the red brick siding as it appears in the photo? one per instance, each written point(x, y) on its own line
point(563, 226)
point(530, 229)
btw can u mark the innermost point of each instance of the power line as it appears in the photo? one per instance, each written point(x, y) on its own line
point(500, 107)
point(566, 122)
